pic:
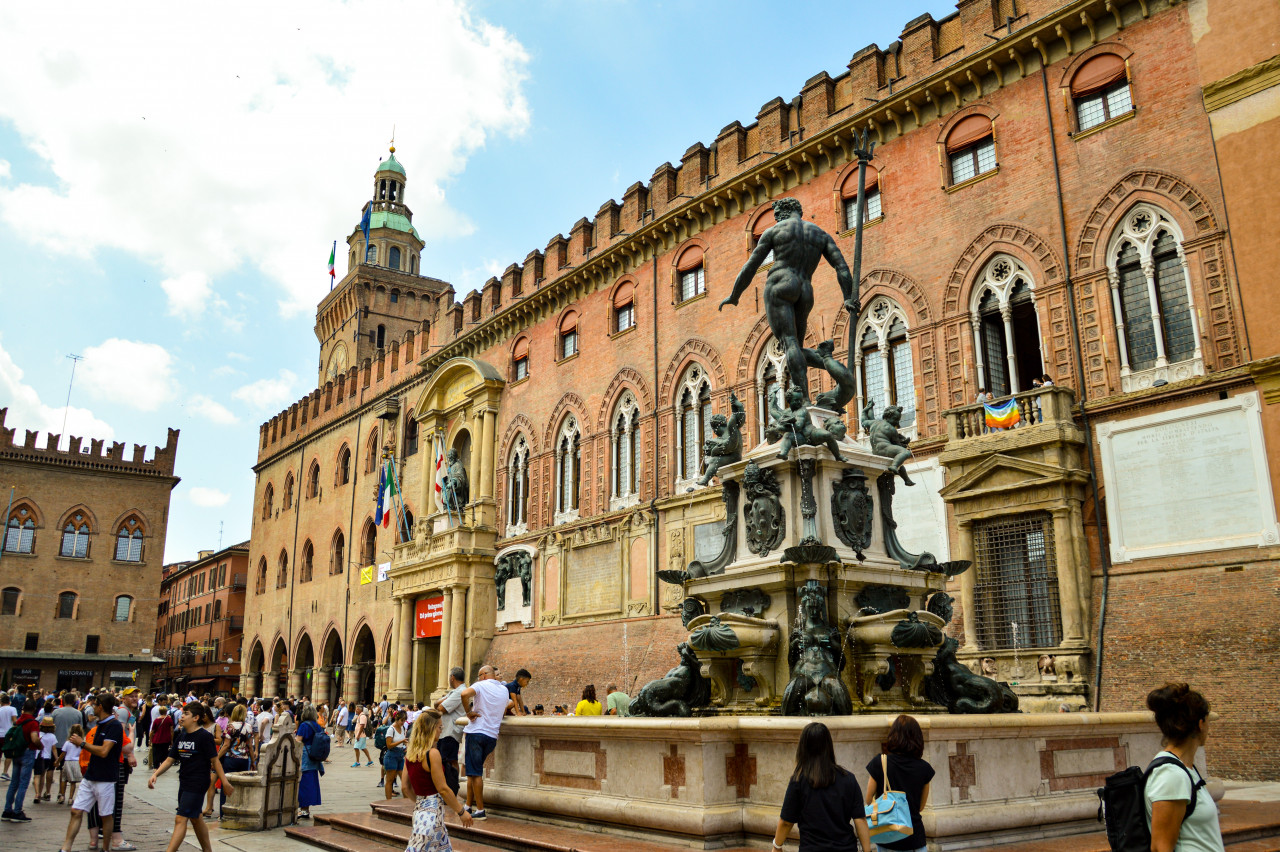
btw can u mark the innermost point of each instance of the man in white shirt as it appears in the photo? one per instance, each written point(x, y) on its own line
point(264, 723)
point(486, 702)
point(451, 710)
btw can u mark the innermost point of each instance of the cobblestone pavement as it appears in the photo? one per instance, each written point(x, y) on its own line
point(149, 814)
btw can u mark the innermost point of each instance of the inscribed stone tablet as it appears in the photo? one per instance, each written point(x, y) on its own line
point(1188, 480)
point(707, 540)
point(593, 579)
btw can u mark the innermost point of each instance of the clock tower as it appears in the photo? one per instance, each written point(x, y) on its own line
point(384, 294)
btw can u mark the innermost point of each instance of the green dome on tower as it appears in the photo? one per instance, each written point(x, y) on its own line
point(391, 164)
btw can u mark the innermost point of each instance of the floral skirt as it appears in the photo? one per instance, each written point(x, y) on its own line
point(429, 833)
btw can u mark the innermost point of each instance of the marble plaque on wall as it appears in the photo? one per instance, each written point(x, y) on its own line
point(920, 512)
point(708, 539)
point(593, 579)
point(1189, 480)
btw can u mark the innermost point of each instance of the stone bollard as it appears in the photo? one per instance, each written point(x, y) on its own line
point(268, 796)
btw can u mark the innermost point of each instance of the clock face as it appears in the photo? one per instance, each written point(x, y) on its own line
point(337, 361)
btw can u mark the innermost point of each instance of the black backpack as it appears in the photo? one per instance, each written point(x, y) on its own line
point(1122, 806)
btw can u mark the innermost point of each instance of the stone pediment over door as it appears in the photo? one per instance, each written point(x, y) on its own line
point(999, 476)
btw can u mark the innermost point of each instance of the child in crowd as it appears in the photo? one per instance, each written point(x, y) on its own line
point(70, 766)
point(196, 749)
point(45, 762)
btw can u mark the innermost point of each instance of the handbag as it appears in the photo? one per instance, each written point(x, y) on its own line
point(889, 815)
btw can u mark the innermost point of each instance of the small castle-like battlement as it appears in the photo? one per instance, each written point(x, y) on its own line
point(393, 365)
point(93, 456)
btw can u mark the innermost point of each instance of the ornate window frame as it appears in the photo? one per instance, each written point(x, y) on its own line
point(568, 453)
point(1000, 275)
point(694, 383)
point(775, 357)
point(880, 316)
point(518, 487)
point(1142, 227)
point(624, 440)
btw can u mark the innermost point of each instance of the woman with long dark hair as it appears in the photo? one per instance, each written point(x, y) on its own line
point(908, 773)
point(309, 781)
point(823, 798)
point(589, 705)
point(1180, 810)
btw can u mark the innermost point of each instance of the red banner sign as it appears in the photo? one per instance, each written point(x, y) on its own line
point(430, 612)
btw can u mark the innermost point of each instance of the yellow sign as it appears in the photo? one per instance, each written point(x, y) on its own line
point(366, 575)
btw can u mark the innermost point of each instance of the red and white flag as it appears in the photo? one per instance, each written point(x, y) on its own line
point(440, 468)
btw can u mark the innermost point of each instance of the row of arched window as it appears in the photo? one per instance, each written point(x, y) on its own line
point(1155, 326)
point(66, 605)
point(20, 535)
point(336, 560)
point(342, 469)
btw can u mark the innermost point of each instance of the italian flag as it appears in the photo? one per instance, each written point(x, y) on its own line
point(332, 254)
point(386, 498)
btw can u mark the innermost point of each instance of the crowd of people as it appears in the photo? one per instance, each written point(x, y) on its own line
point(91, 744)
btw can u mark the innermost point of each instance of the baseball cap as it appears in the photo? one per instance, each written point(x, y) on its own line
point(129, 690)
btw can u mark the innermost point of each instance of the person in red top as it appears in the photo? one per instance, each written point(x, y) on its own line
point(425, 769)
point(161, 735)
point(22, 766)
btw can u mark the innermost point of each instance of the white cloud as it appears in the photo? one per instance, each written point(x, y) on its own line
point(225, 370)
point(214, 412)
point(26, 411)
point(269, 394)
point(4, 169)
point(188, 294)
point(128, 372)
point(203, 145)
point(210, 498)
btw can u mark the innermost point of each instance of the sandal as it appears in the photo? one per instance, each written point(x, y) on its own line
point(124, 846)
point(62, 799)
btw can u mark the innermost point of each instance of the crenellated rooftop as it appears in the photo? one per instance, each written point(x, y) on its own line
point(93, 457)
point(935, 68)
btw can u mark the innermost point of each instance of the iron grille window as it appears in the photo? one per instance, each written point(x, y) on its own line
point(522, 368)
point(32, 643)
point(1016, 594)
point(91, 644)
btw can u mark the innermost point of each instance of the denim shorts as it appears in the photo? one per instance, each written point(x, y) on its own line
point(478, 748)
point(393, 760)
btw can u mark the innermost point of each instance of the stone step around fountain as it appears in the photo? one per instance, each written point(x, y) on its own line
point(1246, 827)
point(387, 826)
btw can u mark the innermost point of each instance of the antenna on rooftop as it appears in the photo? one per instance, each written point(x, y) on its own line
point(75, 359)
point(220, 535)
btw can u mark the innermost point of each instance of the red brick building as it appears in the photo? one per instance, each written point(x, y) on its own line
point(1044, 199)
point(81, 560)
point(201, 621)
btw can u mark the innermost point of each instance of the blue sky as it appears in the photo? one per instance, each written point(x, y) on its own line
point(171, 183)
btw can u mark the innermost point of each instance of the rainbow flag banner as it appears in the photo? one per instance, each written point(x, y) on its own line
point(1002, 415)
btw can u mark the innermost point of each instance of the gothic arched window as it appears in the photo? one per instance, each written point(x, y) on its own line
point(282, 572)
point(75, 537)
point(268, 499)
point(1151, 296)
point(20, 534)
point(568, 470)
point(624, 436)
point(129, 541)
point(337, 554)
point(771, 374)
point(1006, 329)
point(694, 422)
point(883, 360)
point(307, 567)
point(518, 488)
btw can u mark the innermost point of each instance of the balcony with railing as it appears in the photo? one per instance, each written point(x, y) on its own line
point(236, 625)
point(1039, 407)
point(239, 582)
